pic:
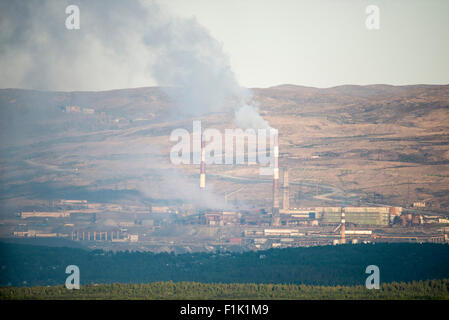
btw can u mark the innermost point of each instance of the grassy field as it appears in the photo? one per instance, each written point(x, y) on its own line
point(431, 289)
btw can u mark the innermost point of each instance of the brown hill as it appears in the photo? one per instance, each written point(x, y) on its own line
point(365, 144)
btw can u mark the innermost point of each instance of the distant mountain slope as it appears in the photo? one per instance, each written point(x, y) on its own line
point(357, 104)
point(367, 140)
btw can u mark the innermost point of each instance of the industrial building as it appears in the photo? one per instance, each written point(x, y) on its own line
point(43, 214)
point(376, 216)
point(381, 216)
point(220, 218)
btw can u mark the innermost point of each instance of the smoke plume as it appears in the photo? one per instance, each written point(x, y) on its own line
point(120, 44)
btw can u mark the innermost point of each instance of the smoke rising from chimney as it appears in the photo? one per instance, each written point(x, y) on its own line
point(248, 116)
point(121, 44)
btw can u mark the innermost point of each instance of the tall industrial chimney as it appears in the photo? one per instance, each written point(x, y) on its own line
point(203, 164)
point(275, 213)
point(343, 227)
point(285, 193)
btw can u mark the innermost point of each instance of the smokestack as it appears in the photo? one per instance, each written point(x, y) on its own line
point(343, 227)
point(285, 194)
point(275, 212)
point(203, 164)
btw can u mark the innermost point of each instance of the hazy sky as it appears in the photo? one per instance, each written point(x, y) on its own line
point(217, 45)
point(326, 43)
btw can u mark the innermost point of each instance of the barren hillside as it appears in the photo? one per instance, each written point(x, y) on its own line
point(375, 144)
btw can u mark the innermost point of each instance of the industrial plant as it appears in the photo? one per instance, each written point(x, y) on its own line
point(186, 227)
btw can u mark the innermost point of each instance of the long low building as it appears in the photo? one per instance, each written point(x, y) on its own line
point(381, 216)
point(72, 202)
point(358, 232)
point(282, 232)
point(44, 214)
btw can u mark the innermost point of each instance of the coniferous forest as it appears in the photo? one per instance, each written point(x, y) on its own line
point(345, 265)
point(430, 289)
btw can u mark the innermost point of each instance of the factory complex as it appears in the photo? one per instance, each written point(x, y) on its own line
point(185, 227)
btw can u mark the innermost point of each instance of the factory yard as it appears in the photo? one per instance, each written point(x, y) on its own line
point(181, 230)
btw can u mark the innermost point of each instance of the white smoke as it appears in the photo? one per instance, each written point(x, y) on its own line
point(120, 44)
point(248, 116)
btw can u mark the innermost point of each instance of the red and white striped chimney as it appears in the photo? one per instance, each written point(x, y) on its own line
point(343, 227)
point(275, 213)
point(203, 164)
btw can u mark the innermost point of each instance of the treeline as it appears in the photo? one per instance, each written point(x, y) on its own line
point(431, 289)
point(27, 265)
